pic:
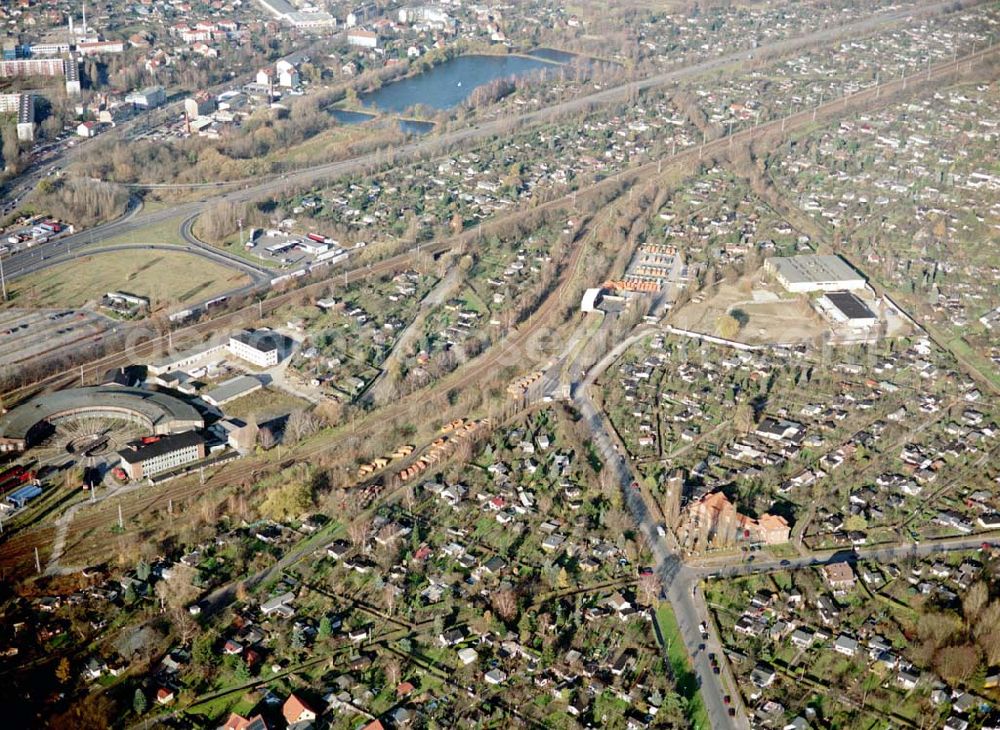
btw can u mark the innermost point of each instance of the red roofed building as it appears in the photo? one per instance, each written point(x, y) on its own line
point(362, 38)
point(87, 129)
point(295, 710)
point(713, 521)
point(164, 695)
point(238, 722)
point(773, 529)
point(235, 722)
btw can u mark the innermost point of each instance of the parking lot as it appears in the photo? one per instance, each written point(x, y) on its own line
point(280, 249)
point(26, 335)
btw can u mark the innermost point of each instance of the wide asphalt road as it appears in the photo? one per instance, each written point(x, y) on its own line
point(34, 264)
point(40, 257)
point(680, 581)
point(439, 144)
point(258, 280)
point(677, 580)
point(260, 273)
point(740, 564)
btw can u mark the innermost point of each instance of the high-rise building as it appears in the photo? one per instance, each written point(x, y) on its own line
point(71, 70)
point(26, 117)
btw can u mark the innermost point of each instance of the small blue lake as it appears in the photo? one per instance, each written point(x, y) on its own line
point(449, 84)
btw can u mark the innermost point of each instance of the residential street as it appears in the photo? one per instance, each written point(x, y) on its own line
point(27, 261)
point(678, 581)
point(616, 365)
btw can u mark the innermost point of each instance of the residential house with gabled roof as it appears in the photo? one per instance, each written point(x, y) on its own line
point(238, 722)
point(296, 710)
point(839, 576)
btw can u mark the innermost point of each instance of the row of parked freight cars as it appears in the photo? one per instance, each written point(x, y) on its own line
point(17, 485)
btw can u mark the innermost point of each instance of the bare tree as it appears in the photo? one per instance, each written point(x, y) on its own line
point(393, 671)
point(331, 412)
point(743, 418)
point(11, 149)
point(649, 589)
point(504, 602)
point(358, 532)
point(219, 221)
point(266, 439)
point(389, 597)
point(302, 424)
point(615, 520)
point(974, 602)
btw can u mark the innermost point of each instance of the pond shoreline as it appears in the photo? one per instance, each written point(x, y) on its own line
point(436, 86)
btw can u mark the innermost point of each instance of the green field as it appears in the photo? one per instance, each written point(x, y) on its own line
point(680, 663)
point(167, 231)
point(319, 147)
point(165, 277)
point(975, 360)
point(263, 405)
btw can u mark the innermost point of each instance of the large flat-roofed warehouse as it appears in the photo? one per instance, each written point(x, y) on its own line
point(232, 389)
point(287, 12)
point(842, 307)
point(150, 456)
point(811, 273)
point(158, 413)
point(185, 359)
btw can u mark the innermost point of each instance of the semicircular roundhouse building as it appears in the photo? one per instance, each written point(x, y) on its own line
point(158, 413)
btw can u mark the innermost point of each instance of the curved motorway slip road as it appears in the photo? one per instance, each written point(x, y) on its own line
point(438, 144)
point(679, 581)
point(257, 275)
point(509, 352)
point(865, 98)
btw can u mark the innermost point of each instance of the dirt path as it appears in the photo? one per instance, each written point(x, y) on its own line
point(381, 390)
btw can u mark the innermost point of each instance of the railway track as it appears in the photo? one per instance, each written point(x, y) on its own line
point(155, 345)
point(20, 551)
point(17, 552)
point(795, 121)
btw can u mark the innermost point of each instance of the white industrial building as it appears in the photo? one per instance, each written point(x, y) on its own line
point(591, 298)
point(185, 359)
point(258, 347)
point(844, 308)
point(158, 454)
point(814, 273)
point(231, 390)
point(362, 38)
point(313, 19)
point(147, 98)
point(288, 69)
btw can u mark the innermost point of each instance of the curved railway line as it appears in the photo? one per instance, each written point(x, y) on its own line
point(17, 551)
point(493, 128)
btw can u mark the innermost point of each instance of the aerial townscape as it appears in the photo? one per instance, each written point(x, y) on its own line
point(475, 364)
